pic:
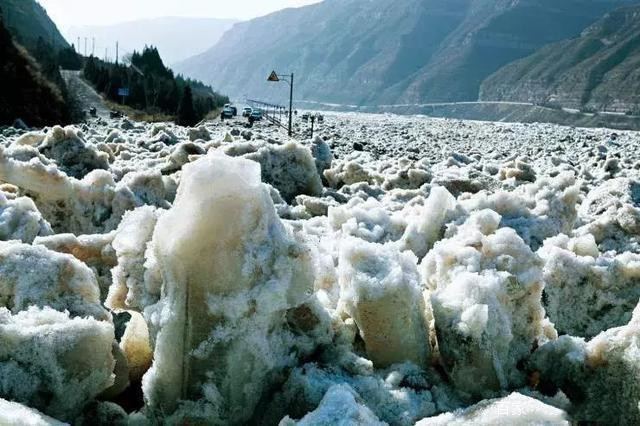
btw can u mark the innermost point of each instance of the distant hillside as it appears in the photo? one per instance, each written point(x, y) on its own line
point(175, 38)
point(388, 51)
point(26, 92)
point(27, 21)
point(600, 70)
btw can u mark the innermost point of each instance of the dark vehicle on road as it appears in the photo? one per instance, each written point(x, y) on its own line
point(233, 109)
point(115, 114)
point(93, 112)
point(256, 114)
point(305, 116)
point(227, 112)
point(320, 118)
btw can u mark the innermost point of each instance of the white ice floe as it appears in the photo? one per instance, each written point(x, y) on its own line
point(15, 414)
point(35, 276)
point(230, 269)
point(380, 289)
point(515, 409)
point(486, 286)
point(601, 377)
point(52, 362)
point(390, 270)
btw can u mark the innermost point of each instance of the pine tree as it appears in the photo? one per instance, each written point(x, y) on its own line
point(186, 113)
point(152, 87)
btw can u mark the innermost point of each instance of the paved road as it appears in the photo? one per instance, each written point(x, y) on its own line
point(87, 96)
point(445, 104)
point(435, 104)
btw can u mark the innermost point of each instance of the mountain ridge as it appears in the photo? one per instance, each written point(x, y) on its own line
point(599, 70)
point(374, 51)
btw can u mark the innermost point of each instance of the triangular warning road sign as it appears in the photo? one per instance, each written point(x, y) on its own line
point(273, 77)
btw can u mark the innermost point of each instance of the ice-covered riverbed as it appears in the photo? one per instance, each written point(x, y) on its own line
point(391, 270)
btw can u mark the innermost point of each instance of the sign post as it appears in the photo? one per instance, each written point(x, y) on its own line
point(124, 92)
point(313, 120)
point(274, 77)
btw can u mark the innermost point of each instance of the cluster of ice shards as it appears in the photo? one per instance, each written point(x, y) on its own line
point(72, 155)
point(424, 230)
point(338, 406)
point(133, 281)
point(536, 211)
point(35, 276)
point(15, 414)
point(611, 213)
point(515, 409)
point(95, 251)
point(399, 395)
point(94, 204)
point(603, 289)
point(406, 174)
point(53, 362)
point(181, 155)
point(380, 289)
point(225, 287)
point(486, 286)
point(290, 168)
point(367, 220)
point(601, 377)
point(350, 172)
point(20, 219)
point(391, 270)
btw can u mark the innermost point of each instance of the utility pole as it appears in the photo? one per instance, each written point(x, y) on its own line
point(273, 77)
point(85, 46)
point(313, 120)
point(291, 107)
point(106, 53)
point(117, 56)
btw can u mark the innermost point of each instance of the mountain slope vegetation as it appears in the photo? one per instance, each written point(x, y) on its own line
point(152, 86)
point(27, 93)
point(27, 21)
point(388, 51)
point(600, 70)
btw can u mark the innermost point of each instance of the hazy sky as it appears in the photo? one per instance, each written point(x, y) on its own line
point(67, 13)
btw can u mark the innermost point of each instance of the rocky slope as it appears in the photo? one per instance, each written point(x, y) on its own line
point(26, 92)
point(598, 70)
point(28, 21)
point(388, 51)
